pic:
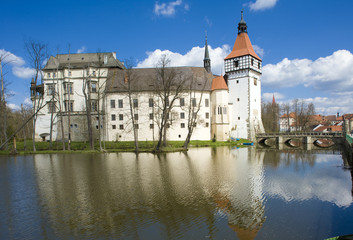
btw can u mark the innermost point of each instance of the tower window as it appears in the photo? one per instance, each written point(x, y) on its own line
point(255, 81)
point(252, 62)
point(237, 81)
point(259, 65)
point(236, 63)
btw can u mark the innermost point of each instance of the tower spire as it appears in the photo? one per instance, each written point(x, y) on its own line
point(242, 27)
point(207, 60)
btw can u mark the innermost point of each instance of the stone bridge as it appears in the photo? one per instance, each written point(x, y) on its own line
point(305, 137)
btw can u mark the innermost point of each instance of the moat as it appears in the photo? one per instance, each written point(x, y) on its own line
point(206, 193)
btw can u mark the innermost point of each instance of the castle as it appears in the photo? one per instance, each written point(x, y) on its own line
point(229, 105)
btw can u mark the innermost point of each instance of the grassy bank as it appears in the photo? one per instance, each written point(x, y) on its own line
point(144, 146)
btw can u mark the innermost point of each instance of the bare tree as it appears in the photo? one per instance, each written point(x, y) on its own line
point(130, 78)
point(86, 90)
point(37, 54)
point(286, 110)
point(169, 86)
point(3, 107)
point(194, 106)
point(270, 116)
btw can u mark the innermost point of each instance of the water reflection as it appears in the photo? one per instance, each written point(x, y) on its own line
point(216, 193)
point(126, 193)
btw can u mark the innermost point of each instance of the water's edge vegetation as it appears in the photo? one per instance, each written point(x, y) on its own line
point(144, 146)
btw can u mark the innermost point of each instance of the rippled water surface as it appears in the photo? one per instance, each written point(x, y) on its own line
point(208, 193)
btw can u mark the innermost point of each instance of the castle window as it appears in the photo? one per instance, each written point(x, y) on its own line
point(151, 116)
point(69, 106)
point(68, 88)
point(113, 126)
point(121, 126)
point(207, 102)
point(219, 110)
point(94, 106)
point(255, 81)
point(207, 115)
point(238, 99)
point(135, 103)
point(151, 126)
point(51, 89)
point(136, 116)
point(182, 125)
point(120, 103)
point(252, 62)
point(236, 63)
point(194, 102)
point(112, 103)
point(182, 102)
point(207, 124)
point(113, 117)
point(150, 102)
point(48, 75)
point(94, 87)
point(121, 117)
point(259, 65)
point(51, 107)
point(136, 126)
point(182, 115)
point(237, 81)
point(238, 118)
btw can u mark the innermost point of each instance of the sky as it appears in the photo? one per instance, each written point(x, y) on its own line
point(306, 46)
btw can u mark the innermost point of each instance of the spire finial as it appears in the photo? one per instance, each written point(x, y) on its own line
point(207, 60)
point(242, 27)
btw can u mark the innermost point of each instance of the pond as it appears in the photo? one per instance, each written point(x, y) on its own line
point(206, 193)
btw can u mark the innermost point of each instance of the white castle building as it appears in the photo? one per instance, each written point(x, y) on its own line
point(230, 105)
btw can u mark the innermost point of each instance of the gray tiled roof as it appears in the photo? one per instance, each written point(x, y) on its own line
point(144, 79)
point(81, 60)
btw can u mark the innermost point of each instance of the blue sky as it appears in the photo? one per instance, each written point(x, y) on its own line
point(306, 46)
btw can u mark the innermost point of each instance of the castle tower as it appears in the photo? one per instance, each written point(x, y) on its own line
point(243, 71)
point(207, 60)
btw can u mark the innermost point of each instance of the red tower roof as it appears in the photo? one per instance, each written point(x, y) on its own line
point(242, 47)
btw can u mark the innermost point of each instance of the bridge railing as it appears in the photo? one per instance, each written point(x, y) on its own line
point(300, 134)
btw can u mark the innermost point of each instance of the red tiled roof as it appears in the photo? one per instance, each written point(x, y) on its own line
point(291, 115)
point(218, 83)
point(242, 47)
point(331, 127)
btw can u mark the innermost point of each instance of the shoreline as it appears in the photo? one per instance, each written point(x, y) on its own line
point(111, 147)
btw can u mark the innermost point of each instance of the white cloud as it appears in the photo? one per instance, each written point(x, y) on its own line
point(192, 58)
point(11, 58)
point(262, 4)
point(260, 51)
point(17, 64)
point(27, 101)
point(168, 9)
point(267, 97)
point(332, 74)
point(82, 49)
point(13, 106)
point(23, 72)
